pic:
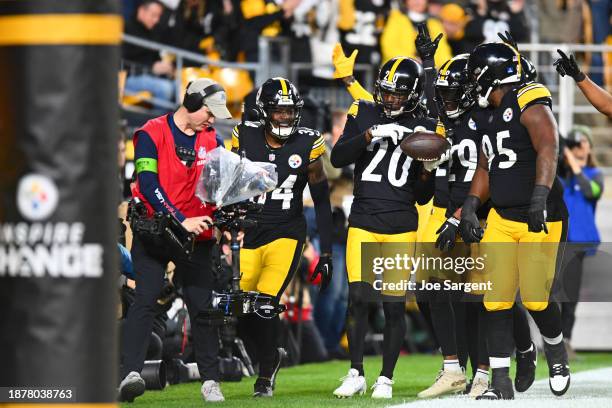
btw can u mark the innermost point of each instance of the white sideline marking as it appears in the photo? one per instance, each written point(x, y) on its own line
point(588, 389)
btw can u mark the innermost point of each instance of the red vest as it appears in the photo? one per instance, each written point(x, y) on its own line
point(177, 180)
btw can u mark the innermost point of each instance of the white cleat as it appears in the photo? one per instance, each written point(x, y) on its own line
point(446, 383)
point(479, 386)
point(211, 392)
point(383, 388)
point(131, 387)
point(352, 384)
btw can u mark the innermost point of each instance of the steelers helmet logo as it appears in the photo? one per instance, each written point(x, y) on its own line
point(507, 115)
point(295, 161)
point(37, 197)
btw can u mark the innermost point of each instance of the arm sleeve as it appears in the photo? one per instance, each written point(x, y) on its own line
point(350, 145)
point(359, 92)
point(430, 78)
point(320, 197)
point(591, 188)
point(145, 157)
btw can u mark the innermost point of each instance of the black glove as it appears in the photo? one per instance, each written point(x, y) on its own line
point(325, 269)
point(537, 209)
point(568, 66)
point(426, 48)
point(508, 39)
point(447, 234)
point(469, 227)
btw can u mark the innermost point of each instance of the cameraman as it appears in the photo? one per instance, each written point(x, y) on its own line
point(169, 153)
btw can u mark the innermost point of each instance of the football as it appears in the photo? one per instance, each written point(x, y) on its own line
point(425, 145)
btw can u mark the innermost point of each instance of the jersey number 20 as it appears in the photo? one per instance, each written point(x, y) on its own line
point(368, 173)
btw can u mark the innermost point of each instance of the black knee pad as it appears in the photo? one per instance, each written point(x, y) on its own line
point(394, 313)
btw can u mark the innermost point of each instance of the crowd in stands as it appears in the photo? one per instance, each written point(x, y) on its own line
point(229, 30)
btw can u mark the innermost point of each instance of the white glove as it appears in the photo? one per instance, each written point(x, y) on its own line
point(431, 165)
point(391, 131)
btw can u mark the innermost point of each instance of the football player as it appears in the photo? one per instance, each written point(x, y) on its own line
point(462, 115)
point(272, 250)
point(387, 184)
point(516, 169)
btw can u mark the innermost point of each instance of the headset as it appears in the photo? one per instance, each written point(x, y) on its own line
point(195, 100)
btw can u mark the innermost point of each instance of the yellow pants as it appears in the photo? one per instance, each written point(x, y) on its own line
point(356, 237)
point(519, 259)
point(269, 268)
point(424, 212)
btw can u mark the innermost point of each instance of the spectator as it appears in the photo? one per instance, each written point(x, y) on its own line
point(453, 19)
point(262, 17)
point(147, 71)
point(400, 32)
point(489, 17)
point(601, 11)
point(574, 16)
point(360, 23)
point(583, 182)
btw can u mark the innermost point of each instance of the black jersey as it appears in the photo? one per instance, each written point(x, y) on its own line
point(384, 177)
point(512, 157)
point(282, 213)
point(463, 162)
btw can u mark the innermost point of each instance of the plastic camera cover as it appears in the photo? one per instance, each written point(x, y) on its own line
point(228, 178)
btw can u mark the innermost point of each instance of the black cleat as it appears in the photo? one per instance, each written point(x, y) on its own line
point(262, 388)
point(525, 369)
point(501, 386)
point(558, 368)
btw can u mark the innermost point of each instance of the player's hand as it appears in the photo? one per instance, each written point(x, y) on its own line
point(431, 165)
point(343, 65)
point(508, 39)
point(536, 217)
point(197, 225)
point(426, 48)
point(469, 227)
point(447, 234)
point(391, 131)
point(568, 66)
point(325, 269)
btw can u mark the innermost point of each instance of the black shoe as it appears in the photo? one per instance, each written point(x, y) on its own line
point(278, 359)
point(468, 387)
point(262, 388)
point(558, 368)
point(525, 369)
point(501, 386)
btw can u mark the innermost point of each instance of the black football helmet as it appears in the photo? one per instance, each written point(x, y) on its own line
point(278, 95)
point(491, 65)
point(399, 86)
point(529, 72)
point(452, 91)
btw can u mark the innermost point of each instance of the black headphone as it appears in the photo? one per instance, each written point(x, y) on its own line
point(195, 100)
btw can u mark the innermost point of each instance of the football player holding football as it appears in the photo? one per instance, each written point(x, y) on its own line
point(387, 184)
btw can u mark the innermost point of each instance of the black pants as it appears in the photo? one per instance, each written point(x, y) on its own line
point(196, 278)
point(572, 283)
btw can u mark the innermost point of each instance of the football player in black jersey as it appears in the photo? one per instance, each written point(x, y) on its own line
point(516, 170)
point(388, 183)
point(272, 250)
point(460, 116)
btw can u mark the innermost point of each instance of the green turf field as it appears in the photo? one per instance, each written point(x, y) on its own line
point(311, 385)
